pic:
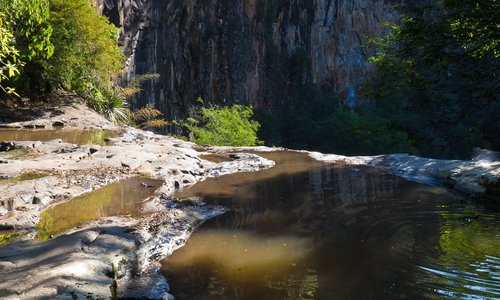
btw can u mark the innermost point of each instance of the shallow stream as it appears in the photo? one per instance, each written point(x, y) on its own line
point(309, 230)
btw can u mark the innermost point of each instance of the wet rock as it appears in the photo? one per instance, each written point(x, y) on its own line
point(64, 150)
point(485, 155)
point(41, 200)
point(58, 124)
point(471, 177)
point(246, 162)
point(7, 146)
point(6, 227)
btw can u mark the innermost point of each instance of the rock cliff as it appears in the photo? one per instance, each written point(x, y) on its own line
point(261, 52)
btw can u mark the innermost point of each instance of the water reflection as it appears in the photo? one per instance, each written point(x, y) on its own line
point(363, 234)
point(79, 137)
point(122, 198)
point(468, 266)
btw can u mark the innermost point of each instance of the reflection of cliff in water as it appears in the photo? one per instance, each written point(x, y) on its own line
point(309, 230)
point(306, 193)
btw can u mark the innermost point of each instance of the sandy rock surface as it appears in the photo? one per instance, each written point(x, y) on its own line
point(115, 255)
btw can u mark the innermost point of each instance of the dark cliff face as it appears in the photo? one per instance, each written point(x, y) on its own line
point(261, 52)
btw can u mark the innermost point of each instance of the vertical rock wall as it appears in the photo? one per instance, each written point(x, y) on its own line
point(261, 52)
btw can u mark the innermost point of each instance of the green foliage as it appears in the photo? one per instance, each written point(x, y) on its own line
point(28, 21)
point(24, 39)
point(318, 123)
point(52, 44)
point(437, 76)
point(104, 98)
point(85, 46)
point(223, 126)
point(111, 101)
point(86, 57)
point(7, 238)
point(9, 55)
point(147, 117)
point(476, 25)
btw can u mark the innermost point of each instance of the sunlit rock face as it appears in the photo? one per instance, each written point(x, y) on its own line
point(260, 52)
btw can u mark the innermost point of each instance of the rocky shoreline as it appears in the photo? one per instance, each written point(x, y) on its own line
point(118, 256)
point(115, 255)
point(479, 177)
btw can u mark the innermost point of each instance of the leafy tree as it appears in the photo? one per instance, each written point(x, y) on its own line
point(437, 76)
point(25, 39)
point(86, 52)
point(86, 57)
point(223, 126)
point(475, 24)
point(9, 55)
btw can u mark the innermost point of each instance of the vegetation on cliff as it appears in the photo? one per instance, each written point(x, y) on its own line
point(435, 93)
point(436, 90)
point(54, 44)
point(25, 44)
point(438, 76)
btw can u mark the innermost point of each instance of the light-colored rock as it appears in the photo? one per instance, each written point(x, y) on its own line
point(472, 177)
point(116, 255)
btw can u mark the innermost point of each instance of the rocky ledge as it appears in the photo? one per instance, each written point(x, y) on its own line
point(478, 177)
point(118, 256)
point(114, 256)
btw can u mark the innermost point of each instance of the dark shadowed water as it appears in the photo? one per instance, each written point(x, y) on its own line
point(308, 230)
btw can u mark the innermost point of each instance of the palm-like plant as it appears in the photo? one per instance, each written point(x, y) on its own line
point(111, 101)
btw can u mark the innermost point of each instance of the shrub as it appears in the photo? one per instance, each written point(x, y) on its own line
point(223, 126)
point(85, 45)
point(9, 64)
point(25, 42)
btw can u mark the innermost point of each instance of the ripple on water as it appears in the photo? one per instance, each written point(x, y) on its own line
point(468, 266)
point(354, 233)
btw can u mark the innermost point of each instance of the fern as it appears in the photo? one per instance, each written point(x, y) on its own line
point(147, 117)
point(134, 86)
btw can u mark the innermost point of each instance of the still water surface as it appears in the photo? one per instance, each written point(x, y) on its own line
point(309, 230)
point(79, 137)
point(121, 198)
